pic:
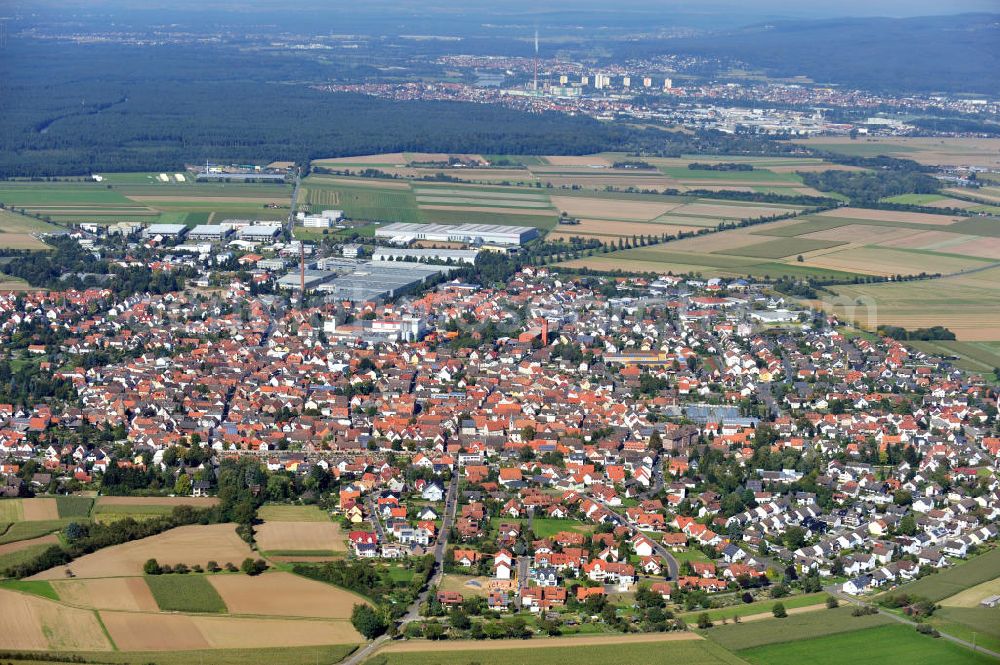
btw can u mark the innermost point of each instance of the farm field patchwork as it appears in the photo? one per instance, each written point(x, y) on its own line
point(949, 581)
point(968, 305)
point(972, 356)
point(933, 151)
point(108, 593)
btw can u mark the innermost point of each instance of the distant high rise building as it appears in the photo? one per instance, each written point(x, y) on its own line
point(626, 82)
point(667, 84)
point(584, 80)
point(563, 80)
point(647, 82)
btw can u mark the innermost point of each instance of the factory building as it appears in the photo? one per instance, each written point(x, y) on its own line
point(210, 232)
point(165, 231)
point(260, 233)
point(473, 234)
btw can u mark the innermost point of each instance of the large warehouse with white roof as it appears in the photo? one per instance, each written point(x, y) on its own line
point(468, 233)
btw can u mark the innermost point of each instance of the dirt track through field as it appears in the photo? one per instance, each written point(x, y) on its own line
point(540, 643)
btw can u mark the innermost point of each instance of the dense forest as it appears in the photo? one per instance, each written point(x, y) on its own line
point(76, 109)
point(888, 177)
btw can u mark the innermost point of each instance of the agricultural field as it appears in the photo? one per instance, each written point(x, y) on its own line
point(16, 231)
point(298, 531)
point(133, 631)
point(130, 594)
point(971, 356)
point(762, 607)
point(282, 594)
point(948, 582)
point(680, 648)
point(967, 304)
point(142, 197)
point(185, 593)
point(837, 244)
point(186, 544)
point(883, 645)
point(932, 151)
point(806, 625)
point(467, 585)
point(546, 527)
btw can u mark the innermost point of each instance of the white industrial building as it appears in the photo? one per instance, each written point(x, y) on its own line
point(165, 230)
point(210, 232)
point(473, 234)
point(421, 254)
point(259, 233)
point(324, 220)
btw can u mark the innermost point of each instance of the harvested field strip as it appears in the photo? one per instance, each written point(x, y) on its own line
point(21, 555)
point(476, 192)
point(489, 202)
point(777, 249)
point(130, 594)
point(576, 641)
point(972, 596)
point(179, 632)
point(278, 536)
point(198, 502)
point(40, 509)
point(465, 210)
point(284, 594)
point(276, 512)
point(890, 216)
point(187, 544)
point(32, 623)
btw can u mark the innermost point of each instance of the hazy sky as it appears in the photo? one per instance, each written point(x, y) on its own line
point(797, 8)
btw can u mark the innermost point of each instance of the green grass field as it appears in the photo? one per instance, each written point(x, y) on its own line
point(737, 636)
point(949, 581)
point(21, 556)
point(757, 175)
point(37, 587)
point(74, 506)
point(915, 199)
point(759, 607)
point(134, 510)
point(10, 510)
point(545, 527)
point(972, 356)
point(677, 653)
point(185, 593)
point(972, 624)
point(29, 530)
point(884, 645)
point(779, 249)
point(275, 512)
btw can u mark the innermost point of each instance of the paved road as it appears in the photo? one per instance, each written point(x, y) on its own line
point(523, 562)
point(836, 591)
point(673, 568)
point(413, 612)
point(376, 518)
